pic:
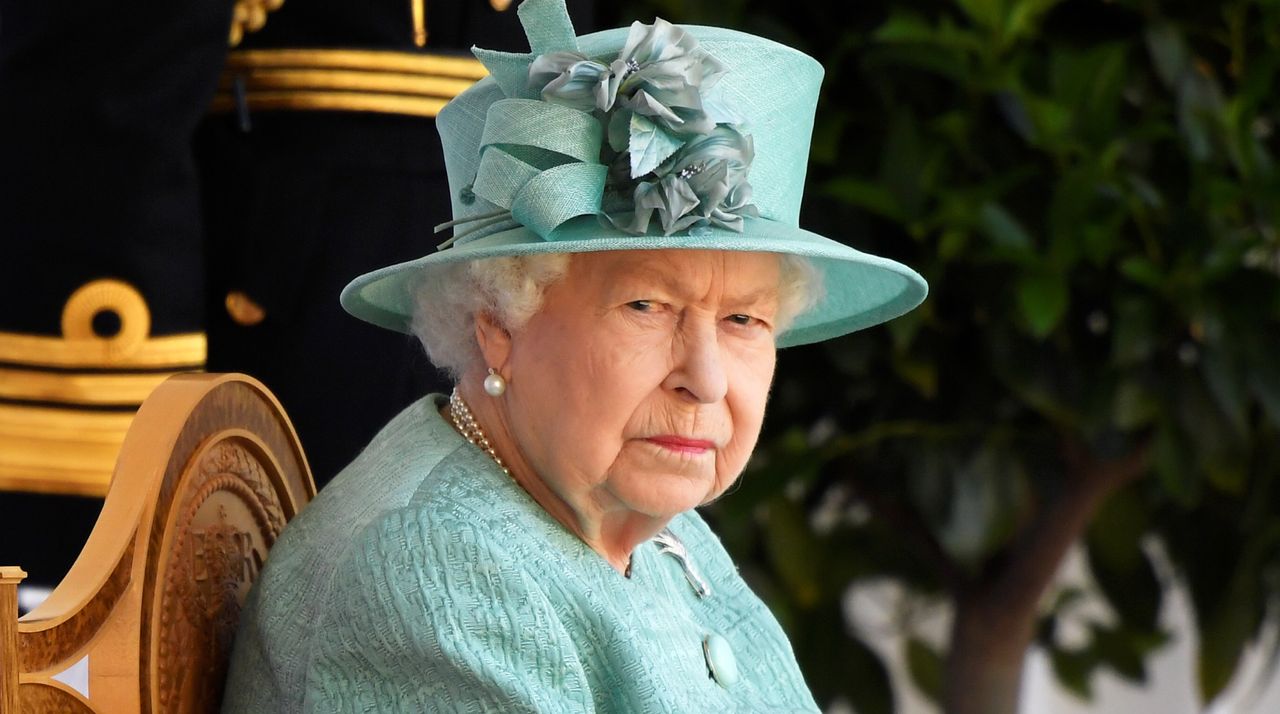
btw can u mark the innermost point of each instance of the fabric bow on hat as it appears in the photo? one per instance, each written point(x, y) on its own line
point(623, 138)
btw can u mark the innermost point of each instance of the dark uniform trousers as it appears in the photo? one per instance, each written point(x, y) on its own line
point(300, 201)
point(101, 271)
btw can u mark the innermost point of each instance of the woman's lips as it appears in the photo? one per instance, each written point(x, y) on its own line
point(682, 444)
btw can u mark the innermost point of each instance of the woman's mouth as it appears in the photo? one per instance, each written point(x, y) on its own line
point(682, 444)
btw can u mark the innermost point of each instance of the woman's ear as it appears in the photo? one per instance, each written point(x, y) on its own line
point(494, 341)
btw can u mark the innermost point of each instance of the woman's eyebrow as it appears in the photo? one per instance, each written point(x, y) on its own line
point(646, 278)
point(761, 294)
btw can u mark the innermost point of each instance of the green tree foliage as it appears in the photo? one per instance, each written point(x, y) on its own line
point(1090, 189)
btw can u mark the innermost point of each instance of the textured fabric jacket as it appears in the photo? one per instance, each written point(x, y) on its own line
point(424, 579)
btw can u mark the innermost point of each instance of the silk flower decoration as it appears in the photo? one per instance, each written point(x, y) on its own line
point(628, 138)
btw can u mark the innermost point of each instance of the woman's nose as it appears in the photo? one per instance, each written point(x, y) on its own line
point(698, 371)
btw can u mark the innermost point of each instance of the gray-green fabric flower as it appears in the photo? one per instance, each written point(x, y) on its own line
point(673, 149)
point(705, 183)
point(569, 78)
point(663, 73)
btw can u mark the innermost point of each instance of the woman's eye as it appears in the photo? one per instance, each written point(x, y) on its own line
point(750, 322)
point(640, 305)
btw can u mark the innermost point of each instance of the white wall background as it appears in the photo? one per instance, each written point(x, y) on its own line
point(878, 611)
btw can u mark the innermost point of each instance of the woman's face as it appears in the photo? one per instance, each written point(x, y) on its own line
point(640, 385)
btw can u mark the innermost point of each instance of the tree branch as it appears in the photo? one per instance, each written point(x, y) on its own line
point(1034, 559)
point(995, 617)
point(913, 527)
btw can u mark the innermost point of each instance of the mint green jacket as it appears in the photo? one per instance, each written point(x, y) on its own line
point(424, 579)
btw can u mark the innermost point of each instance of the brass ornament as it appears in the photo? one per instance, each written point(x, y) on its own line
point(184, 352)
point(54, 436)
point(50, 450)
point(80, 346)
point(107, 295)
point(380, 81)
point(460, 67)
point(418, 9)
point(250, 16)
point(243, 310)
point(87, 389)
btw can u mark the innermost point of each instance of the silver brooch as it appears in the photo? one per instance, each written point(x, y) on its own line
point(668, 543)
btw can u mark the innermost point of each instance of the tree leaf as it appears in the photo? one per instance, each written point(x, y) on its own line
point(1068, 213)
point(870, 195)
point(1042, 301)
point(925, 666)
point(987, 14)
point(1174, 467)
point(1074, 671)
point(1218, 450)
point(1223, 637)
point(837, 658)
point(1014, 111)
point(1024, 15)
point(1200, 118)
point(1168, 52)
point(1136, 334)
point(1124, 650)
point(952, 243)
point(908, 164)
point(1228, 385)
point(943, 61)
point(1094, 78)
point(1114, 538)
point(1053, 121)
point(1133, 406)
point(922, 374)
point(909, 28)
point(906, 27)
point(1264, 383)
point(1134, 591)
point(1142, 271)
point(874, 694)
point(793, 551)
point(1004, 231)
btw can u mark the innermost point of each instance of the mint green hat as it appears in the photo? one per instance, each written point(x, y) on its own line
point(649, 137)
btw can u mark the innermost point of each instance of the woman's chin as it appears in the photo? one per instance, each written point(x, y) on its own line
point(664, 483)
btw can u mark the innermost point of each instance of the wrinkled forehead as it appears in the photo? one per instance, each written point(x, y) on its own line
point(689, 274)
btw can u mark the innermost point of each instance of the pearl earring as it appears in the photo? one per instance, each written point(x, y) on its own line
point(494, 384)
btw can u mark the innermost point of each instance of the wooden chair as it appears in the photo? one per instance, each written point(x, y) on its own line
point(209, 473)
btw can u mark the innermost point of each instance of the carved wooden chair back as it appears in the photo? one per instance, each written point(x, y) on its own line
point(210, 472)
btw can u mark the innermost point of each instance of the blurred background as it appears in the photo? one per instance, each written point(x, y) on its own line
point(1052, 488)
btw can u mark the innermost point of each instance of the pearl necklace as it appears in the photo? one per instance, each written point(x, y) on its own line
point(465, 422)
point(466, 425)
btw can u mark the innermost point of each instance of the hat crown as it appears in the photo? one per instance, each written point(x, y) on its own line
point(772, 88)
point(575, 146)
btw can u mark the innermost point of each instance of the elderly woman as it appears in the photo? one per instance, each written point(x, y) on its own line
point(610, 307)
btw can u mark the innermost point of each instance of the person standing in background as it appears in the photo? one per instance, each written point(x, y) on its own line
point(164, 203)
point(320, 162)
point(102, 276)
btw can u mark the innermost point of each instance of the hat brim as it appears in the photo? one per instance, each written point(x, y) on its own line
point(860, 290)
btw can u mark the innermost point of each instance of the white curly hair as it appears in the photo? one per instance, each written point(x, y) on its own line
point(511, 289)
